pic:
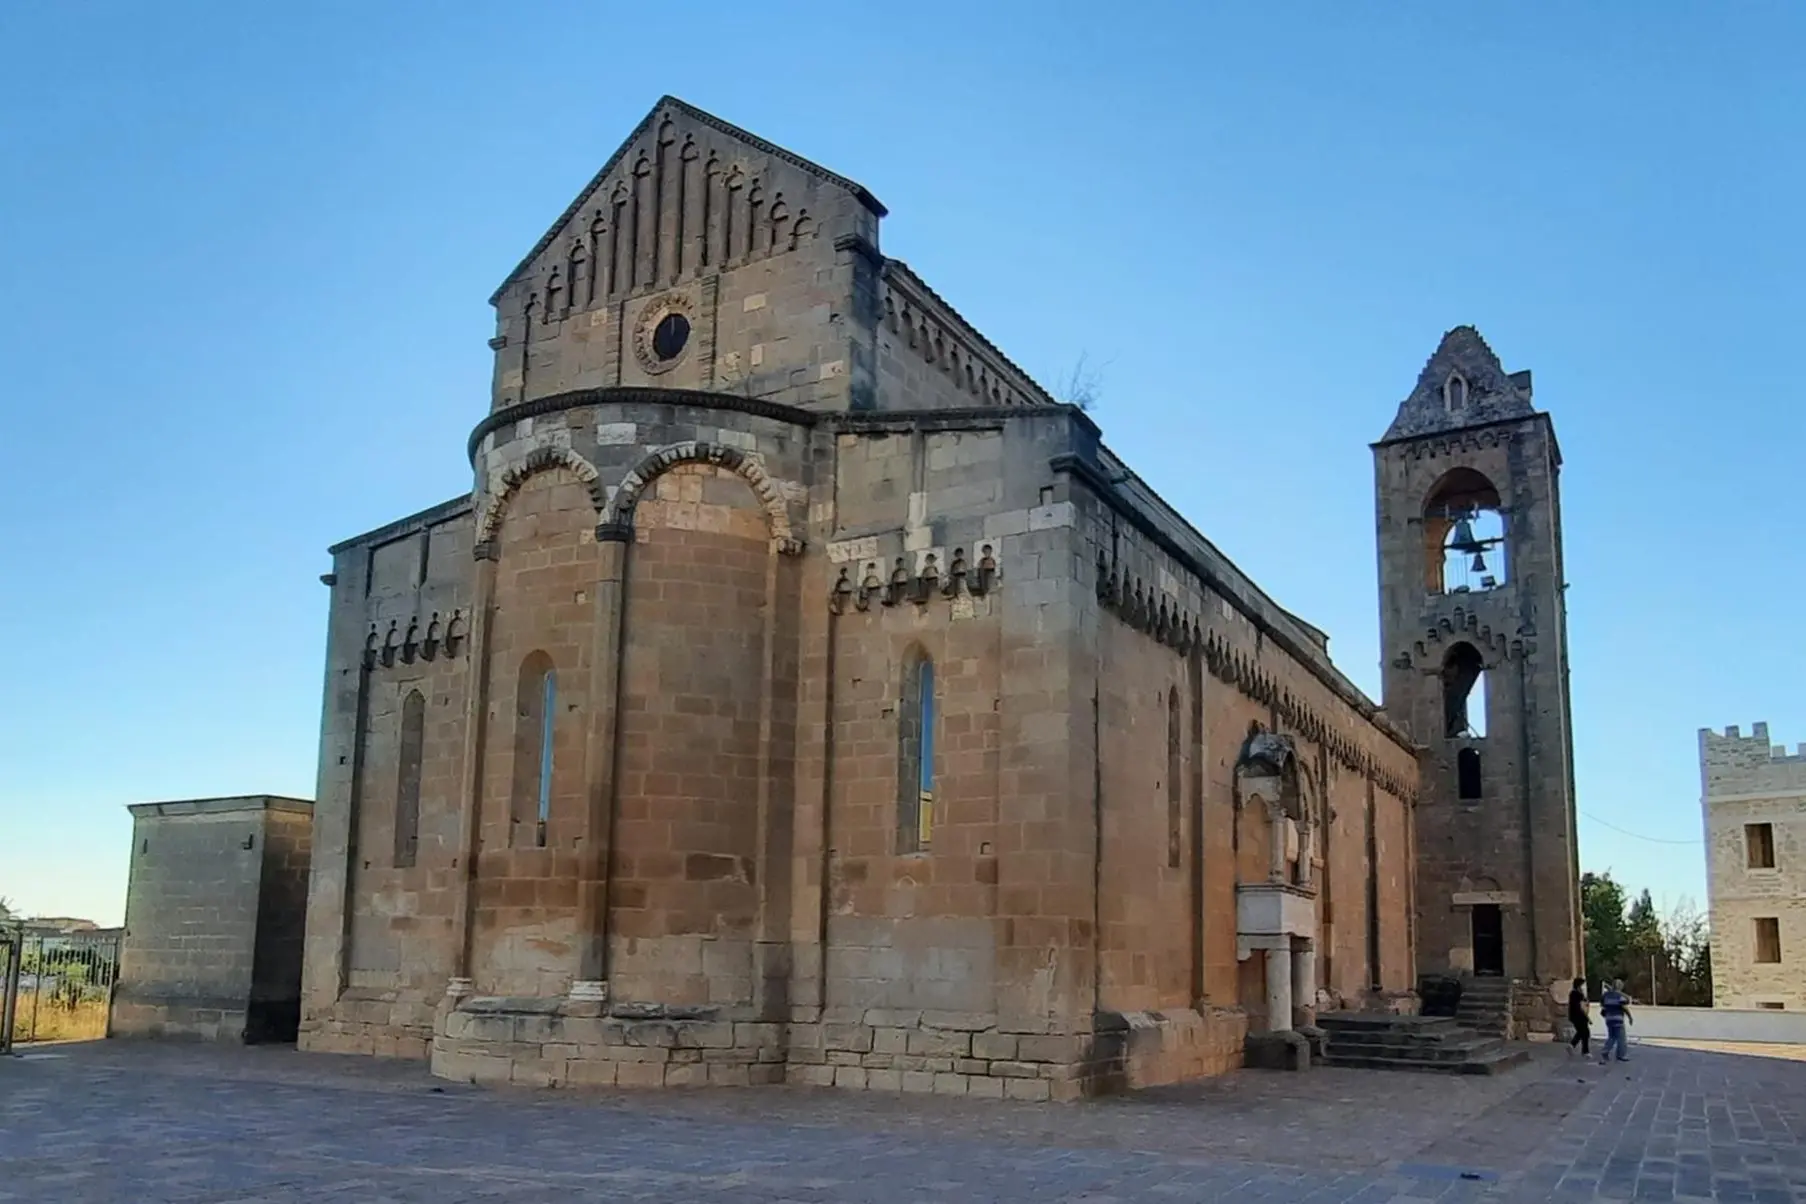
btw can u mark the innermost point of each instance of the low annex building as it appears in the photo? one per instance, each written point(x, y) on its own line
point(801, 693)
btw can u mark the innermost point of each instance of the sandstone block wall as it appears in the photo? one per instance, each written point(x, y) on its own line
point(1746, 781)
point(768, 849)
point(214, 912)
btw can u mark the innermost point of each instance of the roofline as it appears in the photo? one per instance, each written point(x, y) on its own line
point(401, 526)
point(726, 127)
point(224, 805)
point(913, 279)
point(1532, 416)
point(1316, 661)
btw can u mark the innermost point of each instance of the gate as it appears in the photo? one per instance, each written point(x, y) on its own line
point(58, 986)
point(12, 941)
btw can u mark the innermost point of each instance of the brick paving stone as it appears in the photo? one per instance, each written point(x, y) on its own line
point(190, 1124)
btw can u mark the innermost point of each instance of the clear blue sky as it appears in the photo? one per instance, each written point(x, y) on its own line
point(245, 251)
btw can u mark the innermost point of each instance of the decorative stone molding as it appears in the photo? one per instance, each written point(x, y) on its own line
point(617, 514)
point(654, 312)
point(540, 459)
point(1146, 609)
point(417, 641)
point(958, 579)
point(1464, 626)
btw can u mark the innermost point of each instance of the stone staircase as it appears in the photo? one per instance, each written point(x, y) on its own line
point(1486, 1006)
point(1437, 1044)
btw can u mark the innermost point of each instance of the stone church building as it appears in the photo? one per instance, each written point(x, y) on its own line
point(803, 694)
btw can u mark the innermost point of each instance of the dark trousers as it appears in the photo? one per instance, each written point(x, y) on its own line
point(1582, 1037)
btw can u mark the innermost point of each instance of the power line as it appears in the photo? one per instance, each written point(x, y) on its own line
point(1637, 835)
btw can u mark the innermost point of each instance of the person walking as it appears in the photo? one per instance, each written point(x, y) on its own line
point(1614, 1008)
point(1577, 1016)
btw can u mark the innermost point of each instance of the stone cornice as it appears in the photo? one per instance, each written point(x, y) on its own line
point(1101, 488)
point(636, 395)
point(431, 516)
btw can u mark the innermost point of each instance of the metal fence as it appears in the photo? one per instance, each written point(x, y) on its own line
point(57, 986)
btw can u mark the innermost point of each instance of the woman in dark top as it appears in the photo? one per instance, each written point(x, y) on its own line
point(1577, 1016)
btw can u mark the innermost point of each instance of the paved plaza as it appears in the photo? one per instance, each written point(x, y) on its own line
point(164, 1123)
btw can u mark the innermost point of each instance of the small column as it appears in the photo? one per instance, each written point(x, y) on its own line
point(589, 982)
point(475, 734)
point(1276, 870)
point(1305, 855)
point(1279, 990)
point(1304, 980)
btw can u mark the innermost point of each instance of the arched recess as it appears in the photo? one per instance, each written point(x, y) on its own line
point(1272, 796)
point(540, 634)
point(409, 759)
point(706, 707)
point(1464, 534)
point(916, 712)
point(508, 482)
point(618, 515)
point(1464, 693)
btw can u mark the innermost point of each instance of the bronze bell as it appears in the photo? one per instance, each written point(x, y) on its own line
point(1464, 541)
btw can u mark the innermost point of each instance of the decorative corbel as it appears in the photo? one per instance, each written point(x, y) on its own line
point(898, 588)
point(956, 575)
point(869, 587)
point(454, 633)
point(928, 584)
point(430, 648)
point(841, 594)
point(371, 643)
point(987, 572)
point(391, 642)
point(410, 643)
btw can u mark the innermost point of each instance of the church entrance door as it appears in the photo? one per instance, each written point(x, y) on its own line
point(1489, 940)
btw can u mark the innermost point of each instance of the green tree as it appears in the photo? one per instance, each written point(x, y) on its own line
point(1645, 947)
point(1606, 935)
point(6, 909)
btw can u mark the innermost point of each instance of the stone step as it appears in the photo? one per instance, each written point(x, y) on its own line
point(1474, 1050)
point(1495, 1062)
point(1336, 1022)
point(1456, 1044)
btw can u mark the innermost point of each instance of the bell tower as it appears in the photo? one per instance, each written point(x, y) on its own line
point(1473, 627)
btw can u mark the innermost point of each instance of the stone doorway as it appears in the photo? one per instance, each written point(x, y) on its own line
point(1489, 940)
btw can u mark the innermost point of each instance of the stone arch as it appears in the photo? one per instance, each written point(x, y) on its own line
point(1268, 770)
point(540, 459)
point(618, 514)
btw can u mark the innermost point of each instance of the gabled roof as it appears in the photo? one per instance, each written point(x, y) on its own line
point(673, 104)
point(1489, 393)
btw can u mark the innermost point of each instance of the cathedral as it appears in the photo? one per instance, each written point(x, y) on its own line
point(802, 694)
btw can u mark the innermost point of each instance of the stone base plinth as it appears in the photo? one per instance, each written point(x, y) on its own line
point(558, 1042)
point(1277, 1051)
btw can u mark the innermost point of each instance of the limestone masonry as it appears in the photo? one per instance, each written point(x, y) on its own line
point(1754, 801)
point(213, 919)
point(802, 693)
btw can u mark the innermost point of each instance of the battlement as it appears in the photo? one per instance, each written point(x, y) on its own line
point(1735, 764)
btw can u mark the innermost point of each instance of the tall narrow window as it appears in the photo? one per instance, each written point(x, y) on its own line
point(1768, 939)
point(1174, 800)
point(407, 783)
point(1464, 693)
point(536, 708)
point(1759, 845)
point(915, 755)
point(548, 707)
point(1467, 773)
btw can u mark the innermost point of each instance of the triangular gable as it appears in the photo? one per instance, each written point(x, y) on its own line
point(672, 107)
point(1464, 384)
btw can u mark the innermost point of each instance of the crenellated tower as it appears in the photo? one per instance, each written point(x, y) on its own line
point(1474, 633)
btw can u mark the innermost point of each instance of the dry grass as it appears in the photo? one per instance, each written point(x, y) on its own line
point(87, 1021)
point(1755, 1049)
